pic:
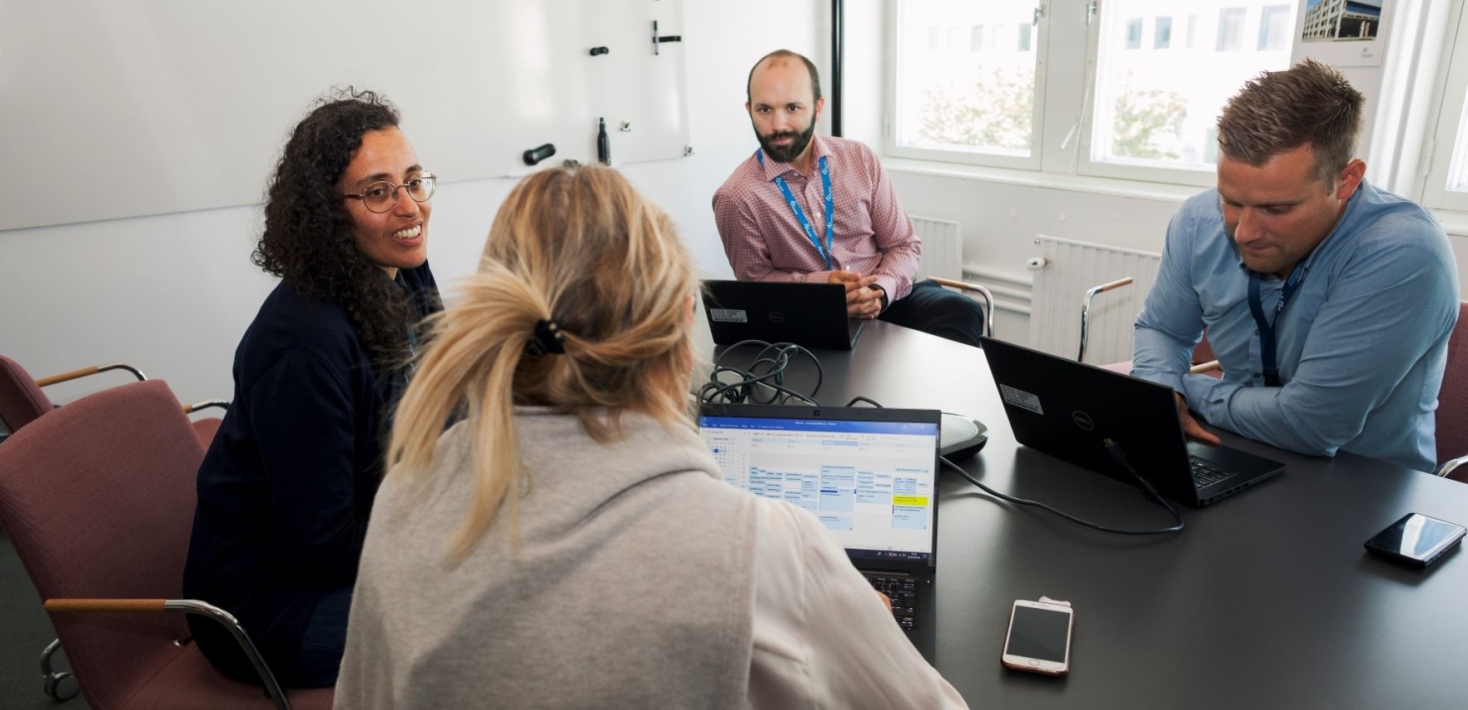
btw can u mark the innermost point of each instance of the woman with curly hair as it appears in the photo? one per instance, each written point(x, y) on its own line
point(287, 485)
point(571, 542)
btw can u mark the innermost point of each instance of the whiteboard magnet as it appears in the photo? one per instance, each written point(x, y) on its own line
point(535, 155)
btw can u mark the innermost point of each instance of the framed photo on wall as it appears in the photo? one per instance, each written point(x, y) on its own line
point(1343, 33)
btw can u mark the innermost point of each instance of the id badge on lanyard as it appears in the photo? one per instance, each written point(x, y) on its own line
point(810, 230)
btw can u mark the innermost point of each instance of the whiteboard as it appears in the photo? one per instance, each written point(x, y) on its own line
point(121, 108)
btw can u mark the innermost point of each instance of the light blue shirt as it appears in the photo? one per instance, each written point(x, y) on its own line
point(1361, 344)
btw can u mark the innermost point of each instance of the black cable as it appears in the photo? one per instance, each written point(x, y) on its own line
point(1119, 456)
point(868, 400)
point(767, 370)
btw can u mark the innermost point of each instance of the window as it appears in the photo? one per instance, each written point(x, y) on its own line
point(1162, 36)
point(1154, 119)
point(1119, 109)
point(1231, 29)
point(1275, 25)
point(1447, 172)
point(980, 107)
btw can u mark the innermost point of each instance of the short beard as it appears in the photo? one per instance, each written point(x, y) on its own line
point(786, 154)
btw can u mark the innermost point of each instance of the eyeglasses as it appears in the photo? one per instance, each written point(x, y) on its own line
point(381, 196)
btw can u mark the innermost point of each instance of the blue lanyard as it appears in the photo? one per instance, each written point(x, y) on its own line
point(1266, 329)
point(810, 231)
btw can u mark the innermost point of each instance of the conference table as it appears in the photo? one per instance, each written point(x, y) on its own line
point(1266, 600)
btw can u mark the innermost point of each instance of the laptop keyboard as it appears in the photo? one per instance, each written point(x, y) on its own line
point(1204, 473)
point(902, 590)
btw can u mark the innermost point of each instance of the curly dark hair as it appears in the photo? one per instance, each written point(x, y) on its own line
point(308, 239)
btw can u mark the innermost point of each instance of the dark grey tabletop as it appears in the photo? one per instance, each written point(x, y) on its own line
point(1266, 600)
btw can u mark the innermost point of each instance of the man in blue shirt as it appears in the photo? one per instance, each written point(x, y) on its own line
point(1328, 302)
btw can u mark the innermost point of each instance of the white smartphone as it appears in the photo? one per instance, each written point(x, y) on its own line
point(1039, 637)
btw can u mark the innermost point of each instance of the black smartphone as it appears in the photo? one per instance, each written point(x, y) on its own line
point(1039, 638)
point(1416, 540)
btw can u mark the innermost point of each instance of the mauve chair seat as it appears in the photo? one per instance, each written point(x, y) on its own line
point(205, 430)
point(21, 400)
point(188, 682)
point(98, 499)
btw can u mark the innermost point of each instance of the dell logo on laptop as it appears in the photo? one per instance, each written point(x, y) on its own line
point(1082, 420)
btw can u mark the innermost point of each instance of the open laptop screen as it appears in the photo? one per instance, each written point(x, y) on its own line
point(870, 482)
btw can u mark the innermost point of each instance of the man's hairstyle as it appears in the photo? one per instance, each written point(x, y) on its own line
point(815, 76)
point(1309, 103)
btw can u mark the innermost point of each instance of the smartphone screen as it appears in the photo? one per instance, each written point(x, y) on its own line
point(1416, 537)
point(1039, 633)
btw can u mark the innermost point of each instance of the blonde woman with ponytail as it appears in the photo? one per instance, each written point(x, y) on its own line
point(569, 540)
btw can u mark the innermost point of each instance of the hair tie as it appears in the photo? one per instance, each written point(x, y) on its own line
point(547, 339)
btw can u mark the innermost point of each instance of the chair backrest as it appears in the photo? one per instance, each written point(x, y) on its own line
point(98, 499)
point(21, 399)
point(1452, 399)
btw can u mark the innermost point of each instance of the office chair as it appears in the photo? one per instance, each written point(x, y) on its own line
point(1452, 405)
point(1086, 309)
point(103, 531)
point(22, 401)
point(966, 287)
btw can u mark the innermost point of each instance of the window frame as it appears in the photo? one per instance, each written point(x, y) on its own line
point(1065, 121)
point(1447, 122)
point(1039, 44)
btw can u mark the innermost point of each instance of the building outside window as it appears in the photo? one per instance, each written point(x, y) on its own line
point(1142, 115)
point(979, 106)
point(1342, 19)
point(1162, 35)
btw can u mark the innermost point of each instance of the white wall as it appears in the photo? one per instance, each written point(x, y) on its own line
point(172, 294)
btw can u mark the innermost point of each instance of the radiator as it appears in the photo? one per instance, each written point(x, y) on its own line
point(942, 248)
point(1069, 269)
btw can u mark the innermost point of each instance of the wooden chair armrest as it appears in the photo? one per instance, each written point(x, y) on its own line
point(88, 371)
point(196, 406)
point(973, 288)
point(1202, 367)
point(184, 606)
point(1086, 310)
point(125, 606)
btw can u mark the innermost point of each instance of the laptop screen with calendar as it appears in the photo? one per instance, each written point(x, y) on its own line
point(868, 475)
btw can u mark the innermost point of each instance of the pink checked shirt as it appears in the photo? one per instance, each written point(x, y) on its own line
point(765, 242)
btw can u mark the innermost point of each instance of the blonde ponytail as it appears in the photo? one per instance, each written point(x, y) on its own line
point(583, 250)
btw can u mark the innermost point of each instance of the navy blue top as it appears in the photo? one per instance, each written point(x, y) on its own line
point(285, 490)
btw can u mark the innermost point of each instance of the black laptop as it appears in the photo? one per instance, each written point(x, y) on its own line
point(1065, 409)
point(870, 475)
point(812, 315)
